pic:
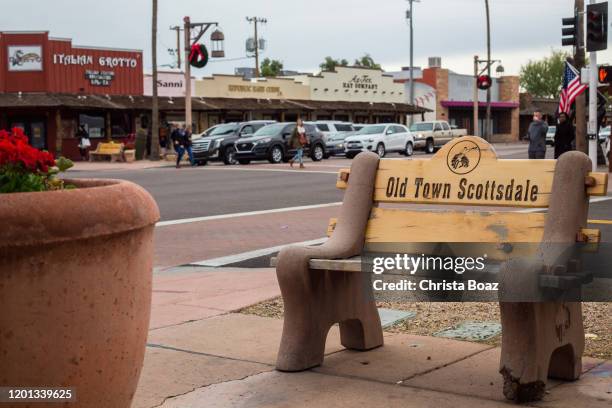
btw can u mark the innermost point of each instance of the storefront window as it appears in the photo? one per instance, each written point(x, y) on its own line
point(94, 124)
point(121, 124)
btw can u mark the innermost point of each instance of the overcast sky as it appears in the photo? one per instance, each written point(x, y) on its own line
point(301, 33)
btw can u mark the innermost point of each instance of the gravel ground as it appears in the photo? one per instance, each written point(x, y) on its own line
point(433, 317)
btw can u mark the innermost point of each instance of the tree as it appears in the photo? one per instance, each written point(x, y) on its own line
point(154, 107)
point(271, 68)
point(367, 62)
point(330, 64)
point(544, 78)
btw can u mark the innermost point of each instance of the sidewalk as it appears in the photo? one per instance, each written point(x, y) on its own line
point(106, 165)
point(202, 353)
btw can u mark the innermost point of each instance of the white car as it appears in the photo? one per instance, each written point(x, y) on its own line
point(381, 139)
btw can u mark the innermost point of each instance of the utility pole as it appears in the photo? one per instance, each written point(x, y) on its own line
point(475, 95)
point(187, 28)
point(255, 21)
point(592, 129)
point(410, 17)
point(154, 103)
point(487, 126)
point(579, 57)
point(178, 45)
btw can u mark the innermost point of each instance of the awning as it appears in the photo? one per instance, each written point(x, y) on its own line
point(470, 104)
point(199, 104)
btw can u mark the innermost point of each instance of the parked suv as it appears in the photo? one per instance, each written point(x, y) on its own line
point(334, 132)
point(272, 143)
point(381, 139)
point(219, 144)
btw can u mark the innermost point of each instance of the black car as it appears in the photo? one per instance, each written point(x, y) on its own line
point(219, 145)
point(272, 143)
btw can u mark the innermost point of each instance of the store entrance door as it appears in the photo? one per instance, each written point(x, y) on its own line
point(34, 129)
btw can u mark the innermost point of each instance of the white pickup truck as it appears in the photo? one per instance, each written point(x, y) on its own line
point(430, 136)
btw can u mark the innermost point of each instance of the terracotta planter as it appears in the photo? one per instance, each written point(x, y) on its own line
point(75, 289)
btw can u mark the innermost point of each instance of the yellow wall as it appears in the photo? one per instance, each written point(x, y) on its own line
point(231, 86)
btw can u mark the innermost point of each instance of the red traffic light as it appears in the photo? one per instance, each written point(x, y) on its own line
point(604, 74)
point(484, 82)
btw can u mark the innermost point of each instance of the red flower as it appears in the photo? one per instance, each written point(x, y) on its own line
point(16, 151)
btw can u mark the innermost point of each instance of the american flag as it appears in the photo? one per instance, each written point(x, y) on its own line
point(571, 88)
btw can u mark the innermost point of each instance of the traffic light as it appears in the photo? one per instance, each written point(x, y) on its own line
point(604, 74)
point(569, 31)
point(597, 27)
point(484, 82)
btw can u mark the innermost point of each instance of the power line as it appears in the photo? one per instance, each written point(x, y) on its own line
point(231, 59)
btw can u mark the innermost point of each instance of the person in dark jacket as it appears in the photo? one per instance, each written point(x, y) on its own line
point(537, 136)
point(181, 138)
point(564, 135)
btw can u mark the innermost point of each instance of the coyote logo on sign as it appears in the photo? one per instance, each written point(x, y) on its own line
point(25, 58)
point(463, 157)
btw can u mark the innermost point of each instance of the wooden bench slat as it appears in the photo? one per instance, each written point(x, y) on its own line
point(393, 225)
point(592, 235)
point(600, 188)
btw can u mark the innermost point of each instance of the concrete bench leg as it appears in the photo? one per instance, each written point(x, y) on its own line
point(539, 340)
point(316, 300)
point(542, 340)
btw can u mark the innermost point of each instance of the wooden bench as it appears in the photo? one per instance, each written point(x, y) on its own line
point(103, 150)
point(322, 286)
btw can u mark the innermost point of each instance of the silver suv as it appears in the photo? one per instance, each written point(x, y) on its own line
point(334, 133)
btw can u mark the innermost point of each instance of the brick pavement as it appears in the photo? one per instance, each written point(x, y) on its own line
point(186, 243)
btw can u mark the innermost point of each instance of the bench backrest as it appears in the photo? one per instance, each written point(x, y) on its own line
point(109, 148)
point(465, 171)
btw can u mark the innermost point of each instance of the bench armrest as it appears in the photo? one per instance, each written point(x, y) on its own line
point(348, 237)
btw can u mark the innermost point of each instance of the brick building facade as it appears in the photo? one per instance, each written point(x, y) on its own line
point(455, 102)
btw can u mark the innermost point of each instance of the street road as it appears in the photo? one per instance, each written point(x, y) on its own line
point(217, 189)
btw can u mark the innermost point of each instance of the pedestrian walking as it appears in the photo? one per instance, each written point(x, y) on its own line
point(84, 142)
point(537, 136)
point(564, 135)
point(298, 141)
point(181, 138)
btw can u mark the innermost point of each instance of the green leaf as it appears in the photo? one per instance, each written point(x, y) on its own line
point(63, 164)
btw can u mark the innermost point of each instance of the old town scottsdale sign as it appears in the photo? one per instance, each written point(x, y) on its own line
point(465, 171)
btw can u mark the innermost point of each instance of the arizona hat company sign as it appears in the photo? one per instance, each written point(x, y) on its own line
point(25, 58)
point(466, 171)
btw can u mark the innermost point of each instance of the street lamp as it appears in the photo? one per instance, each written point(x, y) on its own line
point(477, 74)
point(216, 40)
point(410, 17)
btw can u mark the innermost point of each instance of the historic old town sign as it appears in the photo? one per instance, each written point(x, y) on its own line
point(465, 171)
